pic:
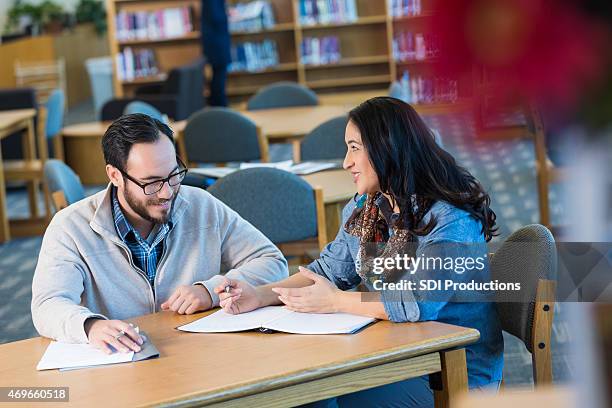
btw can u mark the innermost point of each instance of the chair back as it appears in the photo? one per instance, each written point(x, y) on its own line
point(326, 141)
point(529, 257)
point(60, 177)
point(145, 108)
point(278, 203)
point(220, 135)
point(282, 95)
point(187, 83)
point(55, 113)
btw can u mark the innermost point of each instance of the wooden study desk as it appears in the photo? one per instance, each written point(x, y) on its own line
point(12, 121)
point(541, 397)
point(290, 125)
point(250, 369)
point(83, 149)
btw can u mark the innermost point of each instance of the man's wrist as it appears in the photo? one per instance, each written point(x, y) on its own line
point(208, 299)
point(88, 323)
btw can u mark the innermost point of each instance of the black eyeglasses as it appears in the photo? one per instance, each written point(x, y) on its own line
point(155, 186)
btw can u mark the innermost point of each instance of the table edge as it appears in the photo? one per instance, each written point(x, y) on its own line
point(468, 336)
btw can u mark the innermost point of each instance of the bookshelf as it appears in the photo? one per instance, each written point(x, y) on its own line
point(366, 58)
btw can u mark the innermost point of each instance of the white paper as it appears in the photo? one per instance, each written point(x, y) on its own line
point(215, 172)
point(305, 168)
point(66, 355)
point(282, 165)
point(222, 322)
point(279, 318)
point(319, 323)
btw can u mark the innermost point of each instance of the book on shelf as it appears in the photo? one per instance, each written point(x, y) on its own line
point(408, 46)
point(136, 63)
point(154, 25)
point(320, 50)
point(405, 8)
point(314, 12)
point(251, 17)
point(418, 89)
point(254, 56)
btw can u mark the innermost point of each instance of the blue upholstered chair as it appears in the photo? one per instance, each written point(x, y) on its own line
point(221, 135)
point(282, 94)
point(145, 108)
point(64, 185)
point(284, 207)
point(326, 141)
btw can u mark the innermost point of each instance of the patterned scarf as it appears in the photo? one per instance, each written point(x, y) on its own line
point(371, 221)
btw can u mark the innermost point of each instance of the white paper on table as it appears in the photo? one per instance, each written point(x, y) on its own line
point(279, 318)
point(215, 172)
point(66, 355)
point(305, 168)
point(319, 323)
point(282, 165)
point(222, 322)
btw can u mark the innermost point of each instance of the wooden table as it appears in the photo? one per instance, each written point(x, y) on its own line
point(541, 397)
point(12, 121)
point(83, 149)
point(338, 188)
point(290, 125)
point(251, 369)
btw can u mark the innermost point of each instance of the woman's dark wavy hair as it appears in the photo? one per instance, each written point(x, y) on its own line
point(413, 169)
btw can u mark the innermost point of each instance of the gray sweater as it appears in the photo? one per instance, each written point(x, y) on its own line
point(85, 270)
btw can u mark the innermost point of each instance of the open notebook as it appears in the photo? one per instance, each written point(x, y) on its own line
point(281, 319)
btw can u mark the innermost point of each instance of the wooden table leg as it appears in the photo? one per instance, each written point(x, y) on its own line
point(452, 380)
point(296, 151)
point(5, 232)
point(29, 153)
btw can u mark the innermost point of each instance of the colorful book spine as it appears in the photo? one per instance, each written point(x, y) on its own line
point(154, 25)
point(327, 11)
point(138, 63)
point(254, 56)
point(418, 89)
point(320, 50)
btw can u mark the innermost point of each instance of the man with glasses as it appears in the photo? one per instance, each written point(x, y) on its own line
point(143, 245)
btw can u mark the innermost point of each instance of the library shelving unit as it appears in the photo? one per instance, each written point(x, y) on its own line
point(366, 47)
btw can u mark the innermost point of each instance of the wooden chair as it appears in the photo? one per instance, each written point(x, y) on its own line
point(59, 200)
point(50, 123)
point(529, 256)
point(280, 204)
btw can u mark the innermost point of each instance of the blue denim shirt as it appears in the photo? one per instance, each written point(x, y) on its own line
point(485, 357)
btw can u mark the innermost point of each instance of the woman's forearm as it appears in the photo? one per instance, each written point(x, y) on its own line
point(352, 302)
point(269, 298)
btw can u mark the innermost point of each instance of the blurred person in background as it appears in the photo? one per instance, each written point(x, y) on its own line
point(216, 47)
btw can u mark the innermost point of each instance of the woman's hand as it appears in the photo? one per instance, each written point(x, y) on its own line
point(242, 296)
point(320, 297)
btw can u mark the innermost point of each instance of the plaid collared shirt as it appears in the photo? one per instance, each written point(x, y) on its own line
point(145, 253)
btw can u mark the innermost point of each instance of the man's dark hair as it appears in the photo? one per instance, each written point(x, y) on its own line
point(128, 130)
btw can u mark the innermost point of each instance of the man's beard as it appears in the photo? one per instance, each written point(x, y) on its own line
point(141, 208)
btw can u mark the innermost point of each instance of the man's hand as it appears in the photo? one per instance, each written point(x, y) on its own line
point(105, 333)
point(188, 300)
